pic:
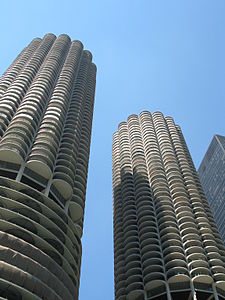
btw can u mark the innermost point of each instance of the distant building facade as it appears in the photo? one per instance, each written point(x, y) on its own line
point(166, 243)
point(46, 109)
point(212, 177)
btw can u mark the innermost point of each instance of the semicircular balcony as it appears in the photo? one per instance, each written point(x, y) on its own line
point(131, 239)
point(129, 215)
point(207, 236)
point(43, 155)
point(158, 261)
point(145, 225)
point(174, 255)
point(178, 194)
point(217, 269)
point(130, 235)
point(75, 211)
point(44, 243)
point(152, 238)
point(128, 207)
point(165, 209)
point(15, 291)
point(133, 264)
point(186, 213)
point(155, 168)
point(29, 217)
point(160, 193)
point(209, 243)
point(128, 220)
point(214, 253)
point(182, 210)
point(153, 251)
point(202, 218)
point(152, 269)
point(190, 236)
point(182, 205)
point(20, 133)
point(171, 243)
point(200, 271)
point(151, 258)
point(146, 216)
point(164, 214)
point(178, 280)
point(119, 277)
point(177, 273)
point(11, 152)
point(188, 218)
point(120, 292)
point(145, 234)
point(154, 275)
point(168, 219)
point(143, 204)
point(152, 246)
point(128, 228)
point(132, 251)
point(155, 287)
point(206, 229)
point(191, 243)
point(188, 229)
point(131, 244)
point(134, 278)
point(170, 236)
point(134, 291)
point(62, 181)
point(196, 256)
point(177, 262)
point(144, 200)
point(170, 228)
point(173, 247)
point(219, 279)
point(194, 249)
point(198, 264)
point(132, 257)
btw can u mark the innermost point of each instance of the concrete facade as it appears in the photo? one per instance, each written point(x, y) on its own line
point(46, 108)
point(212, 176)
point(166, 242)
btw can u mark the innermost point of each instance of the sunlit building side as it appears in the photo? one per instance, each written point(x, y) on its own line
point(46, 108)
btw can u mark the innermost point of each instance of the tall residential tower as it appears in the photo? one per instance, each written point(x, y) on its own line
point(212, 176)
point(166, 243)
point(46, 108)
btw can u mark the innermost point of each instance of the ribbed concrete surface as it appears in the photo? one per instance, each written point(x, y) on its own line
point(46, 108)
point(166, 243)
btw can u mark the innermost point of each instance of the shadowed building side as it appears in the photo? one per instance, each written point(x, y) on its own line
point(166, 243)
point(212, 176)
point(46, 110)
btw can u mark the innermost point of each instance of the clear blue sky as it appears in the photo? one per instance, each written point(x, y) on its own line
point(151, 55)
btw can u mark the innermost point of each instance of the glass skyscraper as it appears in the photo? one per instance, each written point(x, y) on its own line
point(166, 242)
point(212, 176)
point(46, 108)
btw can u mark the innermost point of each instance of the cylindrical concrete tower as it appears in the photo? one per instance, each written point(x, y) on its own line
point(166, 243)
point(46, 109)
